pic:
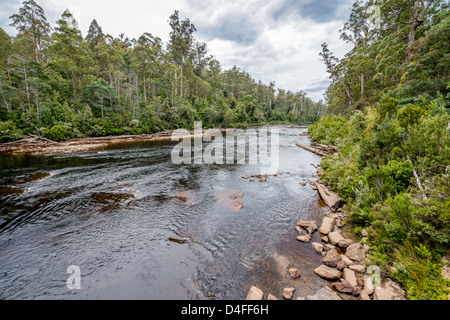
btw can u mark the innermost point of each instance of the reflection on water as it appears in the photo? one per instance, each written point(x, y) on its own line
point(141, 227)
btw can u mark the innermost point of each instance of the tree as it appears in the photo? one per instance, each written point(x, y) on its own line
point(32, 22)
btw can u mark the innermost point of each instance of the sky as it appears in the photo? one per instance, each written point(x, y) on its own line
point(276, 40)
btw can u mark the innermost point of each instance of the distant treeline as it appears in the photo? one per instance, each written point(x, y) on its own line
point(59, 84)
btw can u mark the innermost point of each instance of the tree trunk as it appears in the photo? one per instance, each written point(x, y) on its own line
point(363, 86)
point(416, 21)
point(26, 86)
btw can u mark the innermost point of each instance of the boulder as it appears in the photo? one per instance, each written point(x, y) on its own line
point(335, 238)
point(271, 297)
point(346, 260)
point(307, 224)
point(288, 293)
point(343, 286)
point(368, 285)
point(364, 296)
point(344, 243)
point(350, 276)
point(255, 294)
point(295, 273)
point(356, 252)
point(331, 259)
point(389, 290)
point(300, 230)
point(358, 268)
point(331, 199)
point(327, 273)
point(318, 247)
point(305, 238)
point(328, 224)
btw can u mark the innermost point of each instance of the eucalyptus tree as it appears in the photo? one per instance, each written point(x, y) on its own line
point(31, 22)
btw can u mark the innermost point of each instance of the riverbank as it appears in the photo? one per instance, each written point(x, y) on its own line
point(40, 146)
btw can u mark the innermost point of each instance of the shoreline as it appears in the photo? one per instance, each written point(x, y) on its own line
point(38, 146)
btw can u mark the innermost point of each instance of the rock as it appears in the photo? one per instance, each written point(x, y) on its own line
point(255, 294)
point(325, 239)
point(327, 226)
point(311, 229)
point(340, 222)
point(295, 273)
point(246, 176)
point(307, 224)
point(350, 276)
point(346, 260)
point(318, 247)
point(313, 185)
point(331, 259)
point(356, 291)
point(315, 175)
point(335, 237)
point(330, 198)
point(303, 184)
point(305, 238)
point(341, 265)
point(366, 248)
point(364, 296)
point(324, 294)
point(288, 293)
point(389, 290)
point(300, 230)
point(356, 252)
point(368, 285)
point(271, 297)
point(328, 247)
point(343, 286)
point(358, 268)
point(228, 199)
point(327, 273)
point(345, 243)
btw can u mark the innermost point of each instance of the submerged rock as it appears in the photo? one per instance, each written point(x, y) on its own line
point(229, 199)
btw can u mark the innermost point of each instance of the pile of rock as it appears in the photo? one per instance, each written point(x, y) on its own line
point(261, 177)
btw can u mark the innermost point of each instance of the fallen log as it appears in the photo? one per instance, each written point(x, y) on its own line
point(313, 150)
point(331, 199)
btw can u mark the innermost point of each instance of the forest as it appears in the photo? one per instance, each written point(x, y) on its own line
point(389, 116)
point(60, 85)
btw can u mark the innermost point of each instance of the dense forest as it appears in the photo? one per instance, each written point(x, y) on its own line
point(56, 83)
point(389, 115)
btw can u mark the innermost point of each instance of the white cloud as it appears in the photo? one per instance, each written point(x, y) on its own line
point(277, 40)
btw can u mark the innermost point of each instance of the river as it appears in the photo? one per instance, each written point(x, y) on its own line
point(112, 213)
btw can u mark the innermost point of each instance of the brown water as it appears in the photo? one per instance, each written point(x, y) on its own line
point(141, 227)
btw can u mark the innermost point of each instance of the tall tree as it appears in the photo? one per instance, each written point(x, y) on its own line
point(31, 21)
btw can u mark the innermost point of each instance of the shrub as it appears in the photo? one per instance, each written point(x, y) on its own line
point(57, 133)
point(9, 132)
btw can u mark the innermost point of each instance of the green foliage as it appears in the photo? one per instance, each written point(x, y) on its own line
point(9, 132)
point(417, 271)
point(57, 133)
point(329, 129)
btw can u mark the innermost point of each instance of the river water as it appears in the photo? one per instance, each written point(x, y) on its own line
point(113, 213)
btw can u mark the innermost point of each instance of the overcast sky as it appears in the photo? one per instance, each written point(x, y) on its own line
point(276, 40)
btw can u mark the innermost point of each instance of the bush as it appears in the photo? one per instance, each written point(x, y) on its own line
point(57, 133)
point(9, 132)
